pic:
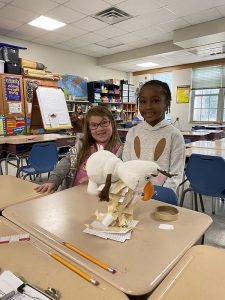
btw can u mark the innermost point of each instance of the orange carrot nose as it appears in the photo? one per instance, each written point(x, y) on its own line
point(148, 191)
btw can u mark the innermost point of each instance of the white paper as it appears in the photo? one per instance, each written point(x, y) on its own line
point(15, 108)
point(115, 235)
point(54, 122)
point(9, 282)
point(29, 107)
point(52, 101)
point(166, 226)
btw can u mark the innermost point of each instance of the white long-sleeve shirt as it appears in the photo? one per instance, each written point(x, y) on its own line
point(173, 157)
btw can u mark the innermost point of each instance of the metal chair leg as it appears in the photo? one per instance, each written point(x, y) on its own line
point(201, 202)
point(183, 196)
point(196, 201)
point(213, 206)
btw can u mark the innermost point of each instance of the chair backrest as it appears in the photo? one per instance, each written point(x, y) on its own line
point(206, 174)
point(165, 194)
point(198, 127)
point(43, 156)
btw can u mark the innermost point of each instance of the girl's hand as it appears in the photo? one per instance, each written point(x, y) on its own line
point(48, 188)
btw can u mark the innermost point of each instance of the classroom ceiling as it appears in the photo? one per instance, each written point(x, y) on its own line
point(163, 31)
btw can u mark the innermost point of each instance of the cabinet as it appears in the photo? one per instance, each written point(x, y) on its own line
point(128, 93)
point(101, 92)
point(129, 110)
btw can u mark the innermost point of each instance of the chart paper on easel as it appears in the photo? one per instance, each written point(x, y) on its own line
point(53, 108)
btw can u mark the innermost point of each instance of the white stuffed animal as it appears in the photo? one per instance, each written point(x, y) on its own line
point(133, 180)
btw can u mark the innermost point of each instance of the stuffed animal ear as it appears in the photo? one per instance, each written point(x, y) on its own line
point(159, 149)
point(137, 147)
point(92, 188)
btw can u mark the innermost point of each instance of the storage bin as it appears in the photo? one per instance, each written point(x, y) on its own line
point(2, 62)
point(12, 68)
point(11, 55)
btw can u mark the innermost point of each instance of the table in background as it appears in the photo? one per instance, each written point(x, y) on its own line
point(204, 151)
point(214, 126)
point(197, 135)
point(141, 262)
point(14, 190)
point(217, 144)
point(29, 260)
point(199, 275)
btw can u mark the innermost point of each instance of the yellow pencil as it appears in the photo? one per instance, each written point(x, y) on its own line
point(73, 268)
point(89, 257)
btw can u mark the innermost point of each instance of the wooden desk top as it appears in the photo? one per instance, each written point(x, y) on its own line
point(141, 262)
point(199, 275)
point(15, 190)
point(218, 144)
point(205, 151)
point(201, 132)
point(28, 259)
point(28, 139)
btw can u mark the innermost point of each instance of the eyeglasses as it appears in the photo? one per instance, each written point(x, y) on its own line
point(103, 124)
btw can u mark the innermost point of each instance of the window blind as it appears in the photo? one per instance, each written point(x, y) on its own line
point(210, 77)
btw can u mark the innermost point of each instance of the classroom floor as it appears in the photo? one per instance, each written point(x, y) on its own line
point(214, 236)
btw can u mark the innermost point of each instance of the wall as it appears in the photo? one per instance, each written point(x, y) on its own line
point(64, 62)
point(181, 110)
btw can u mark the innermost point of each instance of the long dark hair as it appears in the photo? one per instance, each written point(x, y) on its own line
point(88, 140)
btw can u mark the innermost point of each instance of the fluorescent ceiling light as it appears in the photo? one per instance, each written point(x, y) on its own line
point(147, 64)
point(46, 23)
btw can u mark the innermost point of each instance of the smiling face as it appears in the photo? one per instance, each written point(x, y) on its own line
point(153, 104)
point(103, 131)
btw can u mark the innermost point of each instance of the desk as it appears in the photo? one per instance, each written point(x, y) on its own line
point(214, 126)
point(141, 263)
point(28, 260)
point(199, 275)
point(203, 134)
point(205, 151)
point(15, 190)
point(24, 143)
point(218, 144)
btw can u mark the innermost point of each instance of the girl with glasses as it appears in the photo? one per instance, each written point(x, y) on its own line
point(100, 132)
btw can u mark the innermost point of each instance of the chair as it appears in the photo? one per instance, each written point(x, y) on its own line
point(198, 127)
point(206, 175)
point(165, 194)
point(42, 159)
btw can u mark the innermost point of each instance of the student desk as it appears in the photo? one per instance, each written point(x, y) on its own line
point(203, 134)
point(199, 275)
point(205, 151)
point(218, 144)
point(214, 126)
point(15, 190)
point(141, 262)
point(24, 143)
point(29, 260)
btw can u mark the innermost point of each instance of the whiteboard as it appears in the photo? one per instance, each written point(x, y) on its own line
point(53, 108)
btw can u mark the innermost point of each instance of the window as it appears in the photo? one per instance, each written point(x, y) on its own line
point(207, 96)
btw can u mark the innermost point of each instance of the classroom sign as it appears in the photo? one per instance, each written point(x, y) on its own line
point(12, 88)
point(183, 93)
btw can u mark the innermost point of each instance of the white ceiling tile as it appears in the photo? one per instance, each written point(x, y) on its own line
point(164, 37)
point(140, 43)
point(217, 2)
point(127, 38)
point(62, 46)
point(113, 2)
point(40, 6)
point(40, 40)
point(87, 7)
point(65, 14)
point(110, 31)
point(203, 16)
point(109, 43)
point(17, 14)
point(6, 1)
point(71, 31)
point(173, 25)
point(139, 7)
point(221, 9)
point(20, 36)
point(60, 1)
point(131, 24)
point(91, 37)
point(162, 15)
point(89, 24)
point(2, 4)
point(95, 48)
point(185, 8)
point(55, 37)
point(75, 43)
point(29, 30)
point(148, 31)
point(8, 24)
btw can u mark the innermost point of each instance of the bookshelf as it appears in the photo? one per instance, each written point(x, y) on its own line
point(129, 110)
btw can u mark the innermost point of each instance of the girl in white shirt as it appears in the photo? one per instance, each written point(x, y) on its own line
point(155, 139)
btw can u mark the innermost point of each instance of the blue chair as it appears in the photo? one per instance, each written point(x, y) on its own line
point(206, 175)
point(198, 127)
point(165, 194)
point(42, 159)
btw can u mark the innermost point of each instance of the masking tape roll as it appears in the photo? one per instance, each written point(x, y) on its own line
point(166, 213)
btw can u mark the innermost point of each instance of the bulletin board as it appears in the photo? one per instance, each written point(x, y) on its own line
point(183, 94)
point(49, 109)
point(12, 96)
